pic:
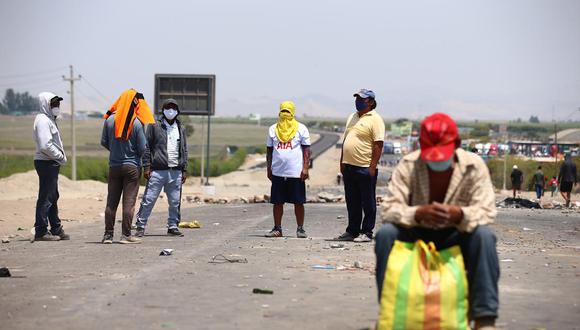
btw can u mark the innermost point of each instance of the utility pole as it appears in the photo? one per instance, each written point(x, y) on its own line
point(202, 149)
point(72, 80)
point(505, 163)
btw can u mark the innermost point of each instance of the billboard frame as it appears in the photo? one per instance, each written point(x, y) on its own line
point(188, 112)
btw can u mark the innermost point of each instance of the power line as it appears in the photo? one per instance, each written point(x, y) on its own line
point(30, 74)
point(96, 90)
point(48, 83)
point(24, 84)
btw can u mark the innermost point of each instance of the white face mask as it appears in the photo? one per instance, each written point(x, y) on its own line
point(170, 114)
point(55, 111)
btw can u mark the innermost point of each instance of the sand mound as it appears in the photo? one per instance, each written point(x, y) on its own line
point(25, 186)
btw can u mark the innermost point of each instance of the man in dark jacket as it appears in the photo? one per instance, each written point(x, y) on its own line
point(165, 166)
point(517, 177)
point(568, 177)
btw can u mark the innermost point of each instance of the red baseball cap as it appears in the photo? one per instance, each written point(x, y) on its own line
point(437, 137)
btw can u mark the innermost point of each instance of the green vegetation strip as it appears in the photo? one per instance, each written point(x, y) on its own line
point(97, 168)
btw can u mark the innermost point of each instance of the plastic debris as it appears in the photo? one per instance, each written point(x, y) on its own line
point(507, 260)
point(232, 258)
point(518, 203)
point(336, 245)
point(262, 291)
point(190, 224)
point(4, 272)
point(323, 267)
point(166, 252)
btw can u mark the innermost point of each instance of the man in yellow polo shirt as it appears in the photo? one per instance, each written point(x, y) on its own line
point(361, 150)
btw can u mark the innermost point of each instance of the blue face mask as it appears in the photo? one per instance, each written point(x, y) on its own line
point(440, 166)
point(360, 104)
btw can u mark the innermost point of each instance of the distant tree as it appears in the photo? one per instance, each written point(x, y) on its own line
point(534, 120)
point(18, 103)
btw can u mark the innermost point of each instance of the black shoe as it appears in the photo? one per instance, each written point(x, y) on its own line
point(174, 232)
point(63, 236)
point(48, 237)
point(345, 237)
point(107, 238)
point(301, 233)
point(140, 232)
point(275, 232)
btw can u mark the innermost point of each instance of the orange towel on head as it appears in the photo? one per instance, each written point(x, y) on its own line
point(129, 105)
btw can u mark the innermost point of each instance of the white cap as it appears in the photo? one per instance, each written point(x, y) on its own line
point(515, 167)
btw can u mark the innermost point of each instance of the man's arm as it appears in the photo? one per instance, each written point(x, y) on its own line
point(305, 162)
point(185, 155)
point(481, 209)
point(269, 152)
point(147, 154)
point(395, 208)
point(376, 156)
point(141, 139)
point(105, 136)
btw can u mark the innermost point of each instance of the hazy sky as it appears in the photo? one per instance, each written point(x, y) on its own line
point(489, 59)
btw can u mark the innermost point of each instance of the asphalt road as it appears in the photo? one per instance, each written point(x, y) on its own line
point(82, 284)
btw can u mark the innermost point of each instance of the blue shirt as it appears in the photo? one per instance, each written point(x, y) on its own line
point(124, 152)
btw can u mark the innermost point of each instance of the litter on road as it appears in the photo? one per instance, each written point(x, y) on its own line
point(262, 291)
point(323, 267)
point(232, 258)
point(518, 203)
point(4, 272)
point(190, 224)
point(166, 252)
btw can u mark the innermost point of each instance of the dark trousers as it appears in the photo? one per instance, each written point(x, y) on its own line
point(479, 254)
point(539, 190)
point(360, 195)
point(46, 204)
point(123, 180)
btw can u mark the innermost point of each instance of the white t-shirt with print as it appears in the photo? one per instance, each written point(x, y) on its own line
point(287, 157)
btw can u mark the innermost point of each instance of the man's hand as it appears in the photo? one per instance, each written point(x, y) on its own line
point(430, 216)
point(439, 216)
point(270, 173)
point(147, 173)
point(454, 212)
point(304, 174)
point(183, 177)
point(372, 171)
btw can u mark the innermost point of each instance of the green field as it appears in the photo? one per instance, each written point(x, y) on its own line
point(16, 136)
point(17, 146)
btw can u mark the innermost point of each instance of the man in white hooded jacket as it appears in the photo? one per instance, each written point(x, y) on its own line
point(48, 158)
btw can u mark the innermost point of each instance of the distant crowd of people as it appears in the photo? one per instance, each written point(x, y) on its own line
point(564, 182)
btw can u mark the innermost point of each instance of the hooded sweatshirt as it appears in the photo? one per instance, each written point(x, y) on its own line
point(46, 134)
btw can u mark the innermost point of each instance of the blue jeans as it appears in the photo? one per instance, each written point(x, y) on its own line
point(170, 181)
point(46, 204)
point(539, 190)
point(479, 254)
point(360, 195)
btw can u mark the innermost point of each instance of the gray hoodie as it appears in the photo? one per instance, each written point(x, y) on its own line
point(46, 134)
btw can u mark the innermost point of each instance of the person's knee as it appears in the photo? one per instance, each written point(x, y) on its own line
point(385, 236)
point(388, 231)
point(484, 236)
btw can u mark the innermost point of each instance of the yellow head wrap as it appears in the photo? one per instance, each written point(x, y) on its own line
point(287, 126)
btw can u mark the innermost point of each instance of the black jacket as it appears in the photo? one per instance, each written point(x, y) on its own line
point(155, 156)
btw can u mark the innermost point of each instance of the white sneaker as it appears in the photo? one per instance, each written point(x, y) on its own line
point(363, 238)
point(130, 240)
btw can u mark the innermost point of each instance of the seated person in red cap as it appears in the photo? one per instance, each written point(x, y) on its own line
point(443, 194)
